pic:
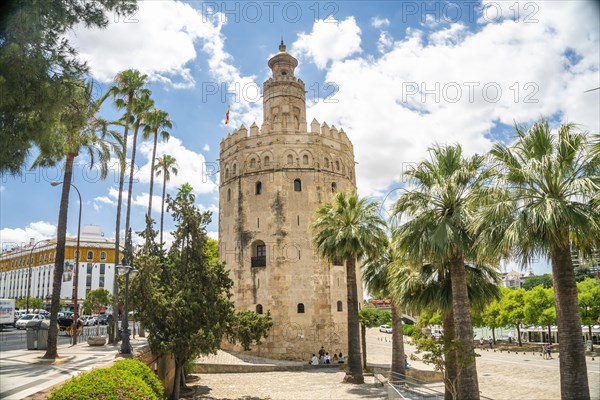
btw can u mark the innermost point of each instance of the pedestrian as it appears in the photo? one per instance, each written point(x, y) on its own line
point(314, 360)
point(405, 361)
point(327, 358)
point(491, 343)
point(544, 351)
point(322, 352)
point(340, 359)
point(335, 358)
point(549, 351)
point(481, 343)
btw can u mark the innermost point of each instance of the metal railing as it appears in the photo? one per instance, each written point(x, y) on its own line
point(259, 261)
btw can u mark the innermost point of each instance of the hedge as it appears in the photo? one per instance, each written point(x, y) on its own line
point(126, 379)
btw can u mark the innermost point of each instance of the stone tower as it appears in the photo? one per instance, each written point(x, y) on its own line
point(272, 181)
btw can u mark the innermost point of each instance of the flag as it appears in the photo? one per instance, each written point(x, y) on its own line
point(227, 115)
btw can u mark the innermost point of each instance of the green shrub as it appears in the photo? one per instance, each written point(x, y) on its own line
point(408, 330)
point(141, 370)
point(107, 384)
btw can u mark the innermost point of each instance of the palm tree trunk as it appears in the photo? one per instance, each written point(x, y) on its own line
point(451, 367)
point(494, 335)
point(59, 262)
point(363, 337)
point(519, 334)
point(397, 341)
point(131, 172)
point(573, 369)
point(468, 385)
point(354, 370)
point(162, 206)
point(152, 173)
point(122, 166)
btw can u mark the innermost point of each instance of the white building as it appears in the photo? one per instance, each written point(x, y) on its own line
point(36, 260)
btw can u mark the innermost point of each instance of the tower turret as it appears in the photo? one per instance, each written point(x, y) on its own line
point(284, 101)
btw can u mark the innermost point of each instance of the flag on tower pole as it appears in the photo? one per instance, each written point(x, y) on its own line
point(227, 115)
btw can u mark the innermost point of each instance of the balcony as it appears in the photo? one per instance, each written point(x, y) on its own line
point(260, 261)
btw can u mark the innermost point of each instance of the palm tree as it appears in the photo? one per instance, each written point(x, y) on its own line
point(349, 228)
point(128, 83)
point(158, 120)
point(82, 130)
point(165, 165)
point(428, 287)
point(547, 186)
point(142, 103)
point(376, 273)
point(439, 209)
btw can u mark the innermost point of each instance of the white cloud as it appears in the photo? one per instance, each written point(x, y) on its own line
point(377, 22)
point(192, 167)
point(143, 199)
point(39, 230)
point(206, 148)
point(330, 40)
point(213, 235)
point(441, 86)
point(158, 40)
point(385, 42)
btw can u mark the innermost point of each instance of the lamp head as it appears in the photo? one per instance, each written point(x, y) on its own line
point(55, 183)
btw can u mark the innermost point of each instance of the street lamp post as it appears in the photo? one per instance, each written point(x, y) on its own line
point(77, 255)
point(126, 270)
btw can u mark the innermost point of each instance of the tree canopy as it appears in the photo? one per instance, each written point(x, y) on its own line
point(33, 96)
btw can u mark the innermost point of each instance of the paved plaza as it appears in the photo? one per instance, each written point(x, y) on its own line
point(502, 376)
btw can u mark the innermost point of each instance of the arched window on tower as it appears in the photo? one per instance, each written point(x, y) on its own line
point(333, 187)
point(252, 163)
point(259, 309)
point(326, 162)
point(226, 173)
point(305, 159)
point(259, 254)
point(300, 308)
point(258, 188)
point(235, 169)
point(267, 161)
point(228, 194)
point(340, 305)
point(290, 159)
point(297, 185)
point(337, 167)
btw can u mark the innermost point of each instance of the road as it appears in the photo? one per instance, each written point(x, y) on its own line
point(14, 339)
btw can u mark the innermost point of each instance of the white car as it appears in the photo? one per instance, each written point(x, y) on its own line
point(91, 321)
point(385, 329)
point(22, 322)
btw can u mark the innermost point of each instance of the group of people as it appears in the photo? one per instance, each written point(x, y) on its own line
point(547, 351)
point(482, 342)
point(325, 358)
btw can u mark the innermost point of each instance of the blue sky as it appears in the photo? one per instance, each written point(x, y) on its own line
point(397, 76)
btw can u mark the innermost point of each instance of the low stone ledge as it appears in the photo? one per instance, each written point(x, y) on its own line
point(202, 368)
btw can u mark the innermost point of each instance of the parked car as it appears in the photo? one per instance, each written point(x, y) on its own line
point(22, 322)
point(103, 319)
point(91, 321)
point(385, 329)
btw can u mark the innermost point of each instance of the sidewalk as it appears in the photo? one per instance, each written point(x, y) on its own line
point(23, 373)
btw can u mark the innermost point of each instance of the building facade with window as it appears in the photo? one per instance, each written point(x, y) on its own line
point(36, 261)
point(272, 179)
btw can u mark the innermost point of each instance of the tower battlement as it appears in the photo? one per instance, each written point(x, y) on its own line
point(322, 131)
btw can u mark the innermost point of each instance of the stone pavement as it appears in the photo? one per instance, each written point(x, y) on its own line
point(23, 373)
point(502, 376)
